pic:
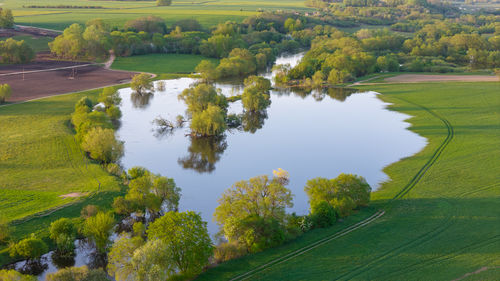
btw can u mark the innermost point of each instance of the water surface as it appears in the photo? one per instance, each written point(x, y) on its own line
point(309, 135)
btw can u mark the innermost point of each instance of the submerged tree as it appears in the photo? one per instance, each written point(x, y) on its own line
point(256, 97)
point(141, 83)
point(98, 229)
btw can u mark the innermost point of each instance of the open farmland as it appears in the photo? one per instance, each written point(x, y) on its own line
point(444, 220)
point(116, 13)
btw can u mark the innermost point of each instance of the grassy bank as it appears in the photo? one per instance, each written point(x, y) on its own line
point(160, 63)
point(444, 226)
point(40, 161)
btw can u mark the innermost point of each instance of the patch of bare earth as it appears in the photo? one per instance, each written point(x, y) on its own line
point(416, 78)
point(72, 195)
point(48, 78)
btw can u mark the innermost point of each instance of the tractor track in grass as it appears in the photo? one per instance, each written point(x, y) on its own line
point(426, 237)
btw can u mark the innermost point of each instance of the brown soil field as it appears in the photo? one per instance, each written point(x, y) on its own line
point(415, 78)
point(42, 83)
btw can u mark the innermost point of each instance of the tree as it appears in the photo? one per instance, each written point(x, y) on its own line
point(255, 96)
point(153, 262)
point(206, 70)
point(70, 44)
point(149, 24)
point(13, 51)
point(141, 83)
point(77, 274)
point(6, 18)
point(13, 275)
point(120, 255)
point(317, 79)
point(247, 204)
point(338, 77)
point(63, 233)
point(323, 214)
point(163, 2)
point(209, 122)
point(344, 193)
point(102, 145)
point(98, 229)
point(97, 41)
point(198, 98)
point(31, 248)
point(186, 240)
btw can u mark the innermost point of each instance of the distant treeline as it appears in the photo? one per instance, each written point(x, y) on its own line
point(62, 7)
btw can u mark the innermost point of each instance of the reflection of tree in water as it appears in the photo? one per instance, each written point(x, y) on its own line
point(33, 267)
point(251, 121)
point(204, 153)
point(336, 93)
point(141, 100)
point(61, 260)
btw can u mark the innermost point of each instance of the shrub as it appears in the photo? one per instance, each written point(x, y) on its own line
point(228, 251)
point(102, 145)
point(323, 215)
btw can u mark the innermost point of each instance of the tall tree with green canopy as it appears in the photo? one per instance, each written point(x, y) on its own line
point(120, 256)
point(63, 233)
point(186, 240)
point(13, 275)
point(6, 18)
point(98, 229)
point(70, 44)
point(255, 96)
point(102, 145)
point(5, 92)
point(344, 193)
point(199, 97)
point(31, 248)
point(250, 207)
point(209, 122)
point(141, 83)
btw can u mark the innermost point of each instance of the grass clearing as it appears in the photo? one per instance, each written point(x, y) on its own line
point(445, 226)
point(161, 63)
point(40, 160)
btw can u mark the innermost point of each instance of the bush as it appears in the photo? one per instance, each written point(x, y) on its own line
point(29, 248)
point(5, 92)
point(323, 215)
point(228, 251)
point(89, 211)
point(102, 145)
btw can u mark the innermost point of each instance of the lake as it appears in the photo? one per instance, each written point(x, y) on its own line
point(309, 135)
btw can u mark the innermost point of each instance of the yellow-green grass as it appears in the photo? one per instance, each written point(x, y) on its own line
point(40, 161)
point(39, 44)
point(116, 13)
point(445, 226)
point(161, 63)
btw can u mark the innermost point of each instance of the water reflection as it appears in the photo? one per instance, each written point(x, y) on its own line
point(141, 101)
point(336, 93)
point(251, 121)
point(203, 153)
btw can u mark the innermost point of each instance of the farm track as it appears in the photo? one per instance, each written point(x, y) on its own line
point(424, 238)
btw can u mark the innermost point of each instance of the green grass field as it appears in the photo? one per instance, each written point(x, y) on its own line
point(39, 44)
point(40, 161)
point(443, 226)
point(116, 13)
point(160, 63)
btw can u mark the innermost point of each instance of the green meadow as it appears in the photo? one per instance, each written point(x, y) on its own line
point(442, 205)
point(160, 63)
point(116, 13)
point(40, 161)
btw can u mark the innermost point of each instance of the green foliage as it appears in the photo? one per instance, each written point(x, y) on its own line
point(109, 97)
point(186, 241)
point(13, 275)
point(141, 83)
point(29, 248)
point(323, 214)
point(77, 274)
point(228, 251)
point(209, 122)
point(163, 2)
point(98, 229)
point(70, 44)
point(252, 212)
point(201, 96)
point(5, 92)
point(256, 96)
point(12, 51)
point(6, 18)
point(63, 233)
point(344, 193)
point(102, 145)
point(120, 256)
point(149, 24)
point(207, 70)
